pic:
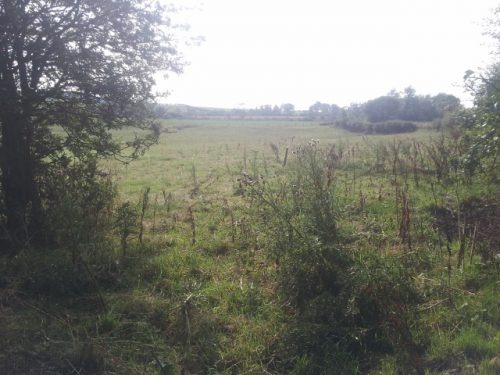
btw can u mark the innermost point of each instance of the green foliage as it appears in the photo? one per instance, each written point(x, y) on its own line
point(383, 108)
point(418, 108)
point(126, 223)
point(78, 207)
point(69, 79)
point(387, 127)
point(305, 271)
point(324, 111)
point(483, 139)
point(468, 332)
point(347, 302)
point(409, 107)
point(445, 103)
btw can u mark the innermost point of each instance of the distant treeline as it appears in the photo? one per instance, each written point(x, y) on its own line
point(390, 114)
point(405, 106)
point(267, 111)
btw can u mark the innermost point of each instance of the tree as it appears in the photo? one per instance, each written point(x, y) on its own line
point(483, 136)
point(265, 110)
point(445, 103)
point(394, 93)
point(71, 72)
point(325, 111)
point(287, 109)
point(383, 108)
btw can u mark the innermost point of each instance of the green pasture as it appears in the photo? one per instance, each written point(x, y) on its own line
point(222, 149)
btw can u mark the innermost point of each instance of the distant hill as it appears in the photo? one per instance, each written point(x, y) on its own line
point(167, 111)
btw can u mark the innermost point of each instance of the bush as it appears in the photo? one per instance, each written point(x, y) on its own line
point(347, 303)
point(78, 207)
point(77, 210)
point(386, 127)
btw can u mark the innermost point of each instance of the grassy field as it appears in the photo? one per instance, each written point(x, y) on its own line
point(211, 287)
point(221, 146)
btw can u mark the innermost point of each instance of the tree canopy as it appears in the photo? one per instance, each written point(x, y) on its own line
point(483, 137)
point(71, 72)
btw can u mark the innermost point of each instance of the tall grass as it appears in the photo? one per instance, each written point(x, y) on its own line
point(353, 254)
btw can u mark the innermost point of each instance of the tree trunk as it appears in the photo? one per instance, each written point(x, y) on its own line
point(18, 182)
point(21, 201)
point(20, 198)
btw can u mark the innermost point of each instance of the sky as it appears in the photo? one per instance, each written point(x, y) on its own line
point(258, 52)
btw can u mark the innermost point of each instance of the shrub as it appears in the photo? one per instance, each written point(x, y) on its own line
point(347, 303)
point(386, 127)
point(78, 207)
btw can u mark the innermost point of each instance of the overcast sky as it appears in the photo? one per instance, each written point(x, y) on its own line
point(335, 51)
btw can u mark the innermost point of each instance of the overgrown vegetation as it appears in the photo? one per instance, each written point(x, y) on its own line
point(339, 259)
point(388, 127)
point(347, 302)
point(68, 78)
point(254, 247)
